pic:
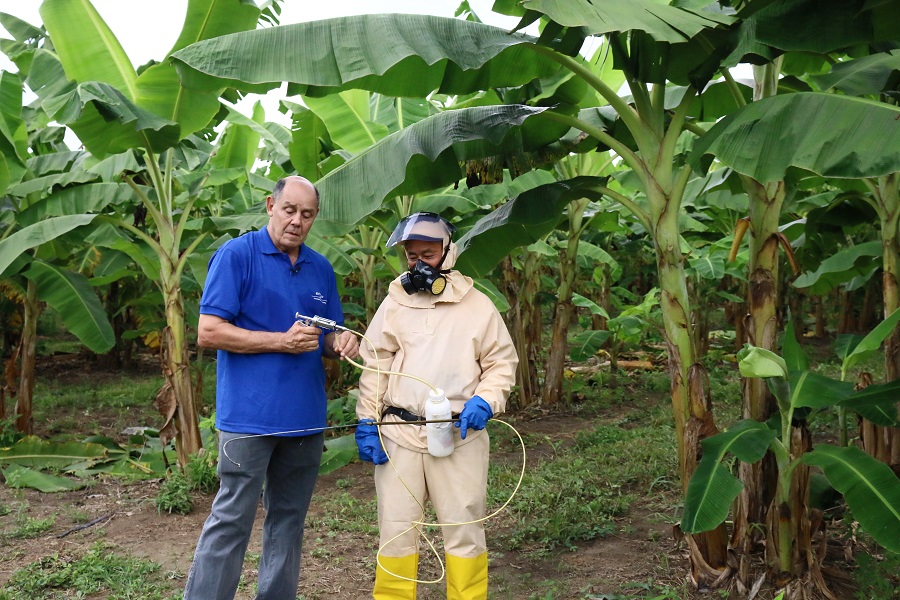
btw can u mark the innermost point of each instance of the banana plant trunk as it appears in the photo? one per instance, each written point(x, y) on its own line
point(789, 543)
point(525, 325)
point(760, 478)
point(25, 393)
point(559, 342)
point(883, 443)
point(175, 399)
point(689, 381)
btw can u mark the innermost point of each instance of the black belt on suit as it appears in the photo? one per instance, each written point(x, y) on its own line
point(403, 414)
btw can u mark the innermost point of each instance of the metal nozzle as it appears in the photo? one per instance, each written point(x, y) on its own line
point(319, 322)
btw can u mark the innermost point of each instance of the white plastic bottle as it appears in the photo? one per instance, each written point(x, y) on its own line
point(440, 435)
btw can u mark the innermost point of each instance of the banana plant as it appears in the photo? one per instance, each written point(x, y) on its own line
point(874, 76)
point(85, 81)
point(784, 61)
point(851, 350)
point(870, 488)
point(624, 330)
point(38, 256)
point(839, 152)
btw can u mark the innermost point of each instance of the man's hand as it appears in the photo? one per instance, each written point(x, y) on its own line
point(346, 345)
point(300, 338)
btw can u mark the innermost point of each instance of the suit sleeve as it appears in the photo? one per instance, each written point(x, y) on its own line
point(377, 350)
point(498, 360)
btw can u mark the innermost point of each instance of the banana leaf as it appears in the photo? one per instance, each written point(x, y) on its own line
point(240, 143)
point(107, 235)
point(347, 117)
point(519, 222)
point(586, 344)
point(423, 156)
point(490, 290)
point(92, 198)
point(23, 477)
point(339, 451)
point(37, 234)
point(809, 389)
point(393, 54)
point(871, 489)
point(159, 89)
point(794, 357)
point(308, 134)
point(73, 298)
point(868, 75)
point(713, 488)
point(877, 403)
point(13, 133)
point(48, 182)
point(830, 135)
point(660, 20)
point(32, 451)
point(277, 147)
point(331, 248)
point(844, 265)
point(872, 341)
point(56, 162)
point(102, 116)
point(90, 51)
point(87, 48)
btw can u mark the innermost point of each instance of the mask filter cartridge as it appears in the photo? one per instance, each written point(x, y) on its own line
point(440, 435)
point(423, 278)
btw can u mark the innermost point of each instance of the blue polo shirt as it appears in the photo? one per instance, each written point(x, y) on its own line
point(253, 285)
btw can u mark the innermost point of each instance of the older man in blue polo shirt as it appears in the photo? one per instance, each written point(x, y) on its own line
point(270, 393)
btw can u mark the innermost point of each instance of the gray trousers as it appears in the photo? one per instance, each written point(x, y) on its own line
point(288, 466)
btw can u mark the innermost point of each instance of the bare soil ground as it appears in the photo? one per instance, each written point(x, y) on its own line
point(340, 564)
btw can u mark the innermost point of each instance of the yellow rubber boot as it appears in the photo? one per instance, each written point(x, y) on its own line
point(467, 578)
point(396, 580)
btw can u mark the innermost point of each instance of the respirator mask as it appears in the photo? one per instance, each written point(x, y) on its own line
point(427, 227)
point(423, 278)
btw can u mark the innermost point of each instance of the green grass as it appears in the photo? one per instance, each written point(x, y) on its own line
point(30, 527)
point(120, 392)
point(878, 576)
point(589, 484)
point(175, 494)
point(100, 572)
point(343, 512)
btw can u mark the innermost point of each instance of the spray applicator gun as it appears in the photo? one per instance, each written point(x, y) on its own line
point(319, 322)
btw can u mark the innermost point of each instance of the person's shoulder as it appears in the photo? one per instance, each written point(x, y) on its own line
point(237, 246)
point(476, 297)
point(314, 257)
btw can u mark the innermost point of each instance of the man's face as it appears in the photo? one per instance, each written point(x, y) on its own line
point(429, 253)
point(292, 215)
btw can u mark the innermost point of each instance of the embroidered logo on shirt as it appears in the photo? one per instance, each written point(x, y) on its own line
point(318, 296)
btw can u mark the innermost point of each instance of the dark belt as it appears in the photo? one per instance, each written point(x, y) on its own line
point(406, 415)
point(403, 414)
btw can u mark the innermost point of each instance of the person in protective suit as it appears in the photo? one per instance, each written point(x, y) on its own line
point(434, 325)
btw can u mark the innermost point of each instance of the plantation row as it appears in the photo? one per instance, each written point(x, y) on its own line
point(641, 187)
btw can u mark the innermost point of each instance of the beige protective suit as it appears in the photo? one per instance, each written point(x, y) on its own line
point(456, 341)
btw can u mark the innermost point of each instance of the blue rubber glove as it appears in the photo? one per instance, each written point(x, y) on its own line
point(368, 444)
point(474, 415)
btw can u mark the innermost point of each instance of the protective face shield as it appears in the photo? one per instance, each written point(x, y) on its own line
point(423, 278)
point(429, 227)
